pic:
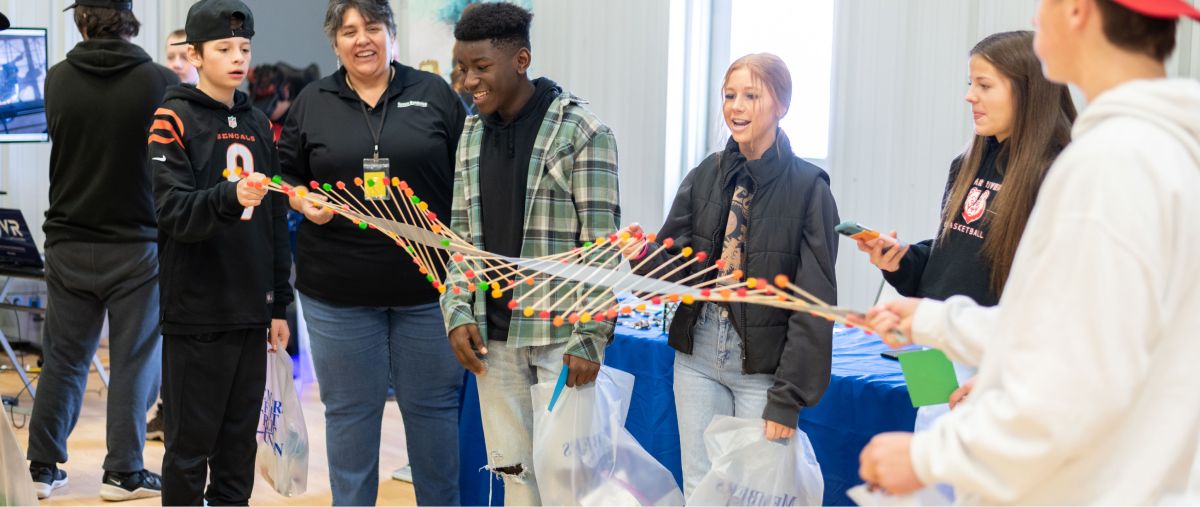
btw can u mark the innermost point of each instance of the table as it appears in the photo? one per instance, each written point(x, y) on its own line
point(866, 396)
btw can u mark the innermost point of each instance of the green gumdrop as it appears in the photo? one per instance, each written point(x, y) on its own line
point(415, 199)
point(370, 182)
point(481, 286)
point(327, 187)
point(276, 179)
point(587, 245)
point(362, 225)
point(446, 243)
point(429, 278)
point(410, 249)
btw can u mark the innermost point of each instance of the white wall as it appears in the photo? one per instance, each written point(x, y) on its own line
point(614, 54)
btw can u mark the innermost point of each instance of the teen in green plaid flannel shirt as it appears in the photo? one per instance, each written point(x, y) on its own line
point(571, 198)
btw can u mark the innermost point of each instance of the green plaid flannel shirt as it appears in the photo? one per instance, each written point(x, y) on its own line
point(571, 198)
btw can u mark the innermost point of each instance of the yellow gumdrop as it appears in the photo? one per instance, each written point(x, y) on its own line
point(423, 205)
point(441, 289)
point(641, 307)
point(497, 294)
point(528, 311)
point(585, 317)
point(751, 283)
point(686, 252)
point(688, 299)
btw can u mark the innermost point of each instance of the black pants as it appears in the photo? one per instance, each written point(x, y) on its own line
point(212, 395)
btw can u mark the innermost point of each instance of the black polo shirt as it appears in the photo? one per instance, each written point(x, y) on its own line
point(326, 138)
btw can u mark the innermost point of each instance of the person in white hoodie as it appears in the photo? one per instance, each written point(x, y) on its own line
point(1087, 391)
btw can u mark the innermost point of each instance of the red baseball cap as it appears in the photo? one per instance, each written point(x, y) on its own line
point(1169, 9)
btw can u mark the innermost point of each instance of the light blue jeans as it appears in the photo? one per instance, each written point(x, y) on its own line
point(358, 351)
point(506, 407)
point(709, 382)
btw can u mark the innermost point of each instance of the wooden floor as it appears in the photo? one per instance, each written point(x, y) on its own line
point(86, 448)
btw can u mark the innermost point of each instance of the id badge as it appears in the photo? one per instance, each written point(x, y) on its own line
point(375, 178)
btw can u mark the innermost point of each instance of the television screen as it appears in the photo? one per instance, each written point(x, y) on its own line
point(22, 79)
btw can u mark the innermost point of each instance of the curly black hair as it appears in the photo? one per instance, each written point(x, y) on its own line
point(505, 24)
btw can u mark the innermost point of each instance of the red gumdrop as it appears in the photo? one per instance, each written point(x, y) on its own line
point(705, 292)
point(457, 257)
point(611, 313)
point(436, 284)
point(700, 256)
point(403, 185)
point(599, 317)
point(668, 243)
point(721, 263)
point(431, 216)
point(741, 292)
point(656, 300)
point(457, 290)
point(573, 318)
point(470, 274)
point(544, 314)
point(341, 185)
point(286, 188)
point(612, 238)
point(512, 305)
point(314, 184)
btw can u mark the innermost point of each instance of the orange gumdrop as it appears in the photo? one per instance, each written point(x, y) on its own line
point(781, 281)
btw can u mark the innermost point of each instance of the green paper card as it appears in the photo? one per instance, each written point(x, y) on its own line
point(930, 377)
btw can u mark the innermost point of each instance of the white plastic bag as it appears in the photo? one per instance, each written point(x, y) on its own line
point(748, 469)
point(15, 486)
point(282, 436)
point(862, 495)
point(582, 453)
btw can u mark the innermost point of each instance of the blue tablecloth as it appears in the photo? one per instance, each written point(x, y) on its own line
point(866, 396)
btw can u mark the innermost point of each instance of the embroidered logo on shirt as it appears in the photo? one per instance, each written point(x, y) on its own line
point(975, 205)
point(232, 122)
point(412, 103)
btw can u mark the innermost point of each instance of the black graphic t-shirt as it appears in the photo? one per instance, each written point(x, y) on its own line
point(956, 266)
point(733, 250)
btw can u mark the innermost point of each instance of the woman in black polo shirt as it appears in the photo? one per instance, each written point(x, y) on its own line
point(372, 317)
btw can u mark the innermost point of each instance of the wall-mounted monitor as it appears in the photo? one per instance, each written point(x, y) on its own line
point(23, 61)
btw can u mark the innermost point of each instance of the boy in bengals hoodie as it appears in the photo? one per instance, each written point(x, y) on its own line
point(225, 262)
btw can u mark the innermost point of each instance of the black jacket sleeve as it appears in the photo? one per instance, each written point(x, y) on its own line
point(907, 278)
point(456, 118)
point(804, 368)
point(293, 156)
point(282, 247)
point(185, 213)
point(678, 227)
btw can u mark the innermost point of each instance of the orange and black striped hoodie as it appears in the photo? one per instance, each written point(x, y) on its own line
point(218, 271)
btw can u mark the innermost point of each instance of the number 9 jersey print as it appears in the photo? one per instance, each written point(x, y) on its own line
point(223, 266)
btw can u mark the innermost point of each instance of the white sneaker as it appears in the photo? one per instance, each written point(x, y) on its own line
point(403, 473)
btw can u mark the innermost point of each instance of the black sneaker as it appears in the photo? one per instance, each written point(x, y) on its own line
point(46, 479)
point(154, 428)
point(117, 487)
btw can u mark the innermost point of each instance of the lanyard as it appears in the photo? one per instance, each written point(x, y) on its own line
point(375, 133)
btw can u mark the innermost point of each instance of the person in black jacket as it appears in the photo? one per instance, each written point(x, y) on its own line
point(1022, 121)
point(225, 262)
point(764, 211)
point(373, 316)
point(100, 248)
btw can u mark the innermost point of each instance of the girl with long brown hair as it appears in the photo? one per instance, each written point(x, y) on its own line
point(1022, 121)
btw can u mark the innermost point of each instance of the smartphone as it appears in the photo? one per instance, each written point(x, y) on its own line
point(856, 231)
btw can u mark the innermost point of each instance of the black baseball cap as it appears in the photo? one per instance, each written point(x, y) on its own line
point(120, 5)
point(217, 19)
point(3, 22)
